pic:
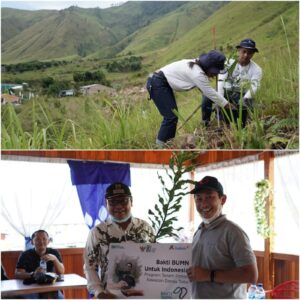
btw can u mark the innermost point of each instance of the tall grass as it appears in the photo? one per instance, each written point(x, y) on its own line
point(129, 121)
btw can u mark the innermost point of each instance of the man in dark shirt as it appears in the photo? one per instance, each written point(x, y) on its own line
point(28, 265)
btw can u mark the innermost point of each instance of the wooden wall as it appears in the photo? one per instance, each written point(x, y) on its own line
point(286, 267)
point(131, 156)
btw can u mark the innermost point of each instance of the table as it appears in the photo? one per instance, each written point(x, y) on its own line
point(16, 287)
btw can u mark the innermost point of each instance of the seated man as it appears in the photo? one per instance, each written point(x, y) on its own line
point(237, 85)
point(28, 265)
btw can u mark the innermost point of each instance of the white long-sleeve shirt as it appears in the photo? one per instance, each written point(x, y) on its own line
point(241, 75)
point(181, 78)
point(97, 248)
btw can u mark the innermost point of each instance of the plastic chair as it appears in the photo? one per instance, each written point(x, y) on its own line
point(285, 290)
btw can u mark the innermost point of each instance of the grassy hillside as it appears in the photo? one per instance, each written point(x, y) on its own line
point(14, 21)
point(172, 27)
point(73, 31)
point(128, 120)
point(263, 25)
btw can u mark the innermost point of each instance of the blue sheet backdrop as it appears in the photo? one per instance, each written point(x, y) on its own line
point(91, 180)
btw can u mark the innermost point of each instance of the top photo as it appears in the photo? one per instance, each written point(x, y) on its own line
point(149, 75)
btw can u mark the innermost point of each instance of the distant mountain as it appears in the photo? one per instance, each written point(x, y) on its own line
point(14, 21)
point(29, 35)
point(161, 31)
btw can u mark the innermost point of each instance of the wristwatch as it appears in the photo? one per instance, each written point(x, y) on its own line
point(31, 274)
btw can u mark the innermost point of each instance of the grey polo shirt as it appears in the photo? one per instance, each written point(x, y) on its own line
point(221, 245)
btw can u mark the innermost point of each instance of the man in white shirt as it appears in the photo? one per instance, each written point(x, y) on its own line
point(183, 75)
point(237, 86)
point(120, 227)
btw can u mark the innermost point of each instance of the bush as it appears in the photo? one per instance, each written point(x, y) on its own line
point(133, 63)
point(46, 82)
point(88, 76)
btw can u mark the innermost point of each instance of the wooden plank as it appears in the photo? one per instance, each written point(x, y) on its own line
point(269, 275)
point(133, 156)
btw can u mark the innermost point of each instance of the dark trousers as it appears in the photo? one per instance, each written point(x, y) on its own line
point(163, 97)
point(232, 116)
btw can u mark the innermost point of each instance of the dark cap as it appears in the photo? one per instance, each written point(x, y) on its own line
point(247, 44)
point(213, 62)
point(117, 189)
point(208, 183)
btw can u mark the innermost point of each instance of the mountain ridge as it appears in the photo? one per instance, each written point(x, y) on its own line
point(86, 30)
point(150, 28)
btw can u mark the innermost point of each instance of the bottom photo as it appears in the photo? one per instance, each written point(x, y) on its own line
point(149, 224)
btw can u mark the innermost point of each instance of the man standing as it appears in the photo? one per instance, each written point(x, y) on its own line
point(238, 85)
point(222, 258)
point(120, 227)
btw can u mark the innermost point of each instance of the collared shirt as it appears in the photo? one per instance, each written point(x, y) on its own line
point(97, 248)
point(181, 78)
point(243, 77)
point(220, 245)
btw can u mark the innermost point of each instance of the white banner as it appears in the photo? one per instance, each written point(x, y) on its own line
point(151, 271)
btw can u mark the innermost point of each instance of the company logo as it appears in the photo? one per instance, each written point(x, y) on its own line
point(147, 249)
point(178, 247)
point(116, 247)
point(180, 291)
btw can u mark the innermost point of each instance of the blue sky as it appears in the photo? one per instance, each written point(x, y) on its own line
point(36, 5)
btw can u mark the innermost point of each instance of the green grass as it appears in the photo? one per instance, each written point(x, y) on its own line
point(130, 121)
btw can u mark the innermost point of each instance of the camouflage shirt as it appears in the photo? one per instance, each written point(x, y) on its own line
point(97, 248)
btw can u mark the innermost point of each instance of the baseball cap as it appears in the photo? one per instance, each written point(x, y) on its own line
point(208, 183)
point(247, 44)
point(117, 189)
point(213, 62)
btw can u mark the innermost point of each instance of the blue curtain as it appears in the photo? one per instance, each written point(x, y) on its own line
point(91, 180)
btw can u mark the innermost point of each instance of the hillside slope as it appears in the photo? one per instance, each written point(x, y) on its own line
point(74, 31)
point(173, 26)
point(263, 24)
point(14, 21)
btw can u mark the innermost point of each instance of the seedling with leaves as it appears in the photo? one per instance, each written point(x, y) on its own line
point(169, 203)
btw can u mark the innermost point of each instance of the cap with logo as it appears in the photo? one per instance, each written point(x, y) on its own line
point(208, 183)
point(117, 189)
point(247, 44)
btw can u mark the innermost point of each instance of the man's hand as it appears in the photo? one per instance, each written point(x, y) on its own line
point(230, 106)
point(198, 274)
point(248, 103)
point(59, 267)
point(119, 285)
point(106, 295)
point(49, 257)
